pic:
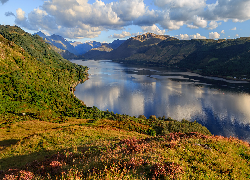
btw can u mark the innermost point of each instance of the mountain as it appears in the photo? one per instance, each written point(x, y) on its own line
point(66, 54)
point(47, 133)
point(36, 82)
point(41, 34)
point(74, 49)
point(103, 47)
point(227, 58)
point(132, 46)
point(116, 43)
point(57, 41)
point(82, 48)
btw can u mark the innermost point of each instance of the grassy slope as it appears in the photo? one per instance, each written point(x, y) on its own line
point(97, 150)
point(61, 138)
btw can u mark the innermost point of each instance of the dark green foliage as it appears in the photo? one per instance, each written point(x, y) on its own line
point(224, 58)
point(35, 79)
point(205, 56)
point(37, 83)
point(166, 126)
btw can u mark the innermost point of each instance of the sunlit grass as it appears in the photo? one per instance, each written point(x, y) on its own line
point(87, 149)
point(39, 140)
point(29, 137)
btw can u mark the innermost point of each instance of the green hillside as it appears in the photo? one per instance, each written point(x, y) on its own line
point(227, 58)
point(223, 57)
point(47, 133)
point(34, 79)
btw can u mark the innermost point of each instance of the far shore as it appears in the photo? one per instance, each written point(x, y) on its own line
point(228, 79)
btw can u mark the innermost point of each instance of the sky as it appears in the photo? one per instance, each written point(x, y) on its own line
point(108, 20)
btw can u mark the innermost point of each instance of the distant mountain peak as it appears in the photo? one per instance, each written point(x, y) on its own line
point(41, 34)
point(149, 35)
point(75, 43)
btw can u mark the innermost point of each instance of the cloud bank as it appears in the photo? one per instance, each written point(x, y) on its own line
point(79, 18)
point(188, 37)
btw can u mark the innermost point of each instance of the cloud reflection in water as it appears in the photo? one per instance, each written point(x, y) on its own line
point(127, 90)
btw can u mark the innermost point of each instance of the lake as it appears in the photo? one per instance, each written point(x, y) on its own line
point(222, 106)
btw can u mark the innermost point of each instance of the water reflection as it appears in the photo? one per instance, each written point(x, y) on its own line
point(222, 106)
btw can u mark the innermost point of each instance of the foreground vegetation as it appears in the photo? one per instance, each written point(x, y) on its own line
point(85, 149)
point(47, 133)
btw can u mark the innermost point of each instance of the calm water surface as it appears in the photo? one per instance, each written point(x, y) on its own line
point(222, 106)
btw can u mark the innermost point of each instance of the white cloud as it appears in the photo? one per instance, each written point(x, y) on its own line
point(153, 29)
point(237, 35)
point(214, 35)
point(191, 26)
point(129, 10)
point(234, 29)
point(20, 14)
point(39, 19)
point(136, 34)
point(222, 32)
point(192, 4)
point(197, 36)
point(183, 37)
point(227, 9)
point(21, 19)
point(188, 37)
point(213, 25)
point(199, 22)
point(171, 25)
point(73, 17)
point(79, 33)
point(124, 34)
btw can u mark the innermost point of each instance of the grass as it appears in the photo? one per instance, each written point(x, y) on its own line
point(43, 133)
point(102, 149)
point(30, 137)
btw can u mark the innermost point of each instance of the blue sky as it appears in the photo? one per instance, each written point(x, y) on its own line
point(107, 20)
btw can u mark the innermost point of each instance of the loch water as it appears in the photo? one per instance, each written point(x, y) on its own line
point(223, 106)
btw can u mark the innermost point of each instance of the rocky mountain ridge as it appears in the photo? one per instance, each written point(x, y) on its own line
point(75, 49)
point(147, 36)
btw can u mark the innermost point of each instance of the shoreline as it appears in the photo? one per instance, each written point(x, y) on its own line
point(229, 79)
point(72, 86)
point(215, 77)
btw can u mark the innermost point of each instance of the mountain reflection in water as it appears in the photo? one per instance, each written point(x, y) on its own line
point(223, 107)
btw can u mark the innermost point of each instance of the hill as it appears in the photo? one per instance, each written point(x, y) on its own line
point(33, 76)
point(227, 58)
point(98, 52)
point(47, 133)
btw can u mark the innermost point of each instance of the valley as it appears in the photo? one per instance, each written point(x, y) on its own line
point(48, 133)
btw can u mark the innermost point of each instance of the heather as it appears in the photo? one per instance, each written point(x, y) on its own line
point(47, 133)
point(77, 149)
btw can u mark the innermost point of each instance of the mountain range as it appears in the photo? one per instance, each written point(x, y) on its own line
point(227, 58)
point(47, 133)
point(74, 49)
